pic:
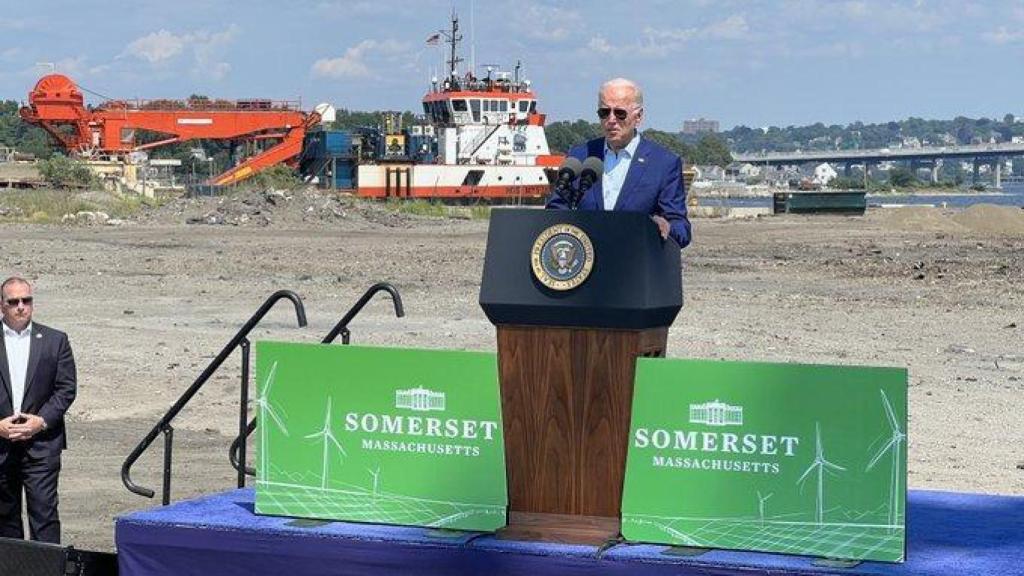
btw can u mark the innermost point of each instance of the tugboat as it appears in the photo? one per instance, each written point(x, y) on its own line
point(489, 137)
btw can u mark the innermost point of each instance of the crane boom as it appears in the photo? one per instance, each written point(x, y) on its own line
point(57, 105)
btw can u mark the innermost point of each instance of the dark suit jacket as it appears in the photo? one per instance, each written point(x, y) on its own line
point(50, 386)
point(653, 185)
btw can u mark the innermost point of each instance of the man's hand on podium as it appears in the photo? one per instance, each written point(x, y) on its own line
point(663, 226)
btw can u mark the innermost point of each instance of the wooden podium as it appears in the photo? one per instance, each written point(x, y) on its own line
point(566, 361)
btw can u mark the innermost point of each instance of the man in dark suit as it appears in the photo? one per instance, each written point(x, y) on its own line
point(639, 175)
point(38, 376)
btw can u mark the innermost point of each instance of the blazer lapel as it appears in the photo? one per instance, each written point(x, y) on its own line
point(5, 371)
point(596, 193)
point(636, 171)
point(35, 349)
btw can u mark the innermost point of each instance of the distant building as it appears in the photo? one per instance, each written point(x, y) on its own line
point(824, 173)
point(709, 173)
point(699, 125)
point(740, 172)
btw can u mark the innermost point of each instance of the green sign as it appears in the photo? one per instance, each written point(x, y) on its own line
point(769, 457)
point(379, 435)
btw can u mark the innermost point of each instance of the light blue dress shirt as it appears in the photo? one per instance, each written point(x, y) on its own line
point(616, 166)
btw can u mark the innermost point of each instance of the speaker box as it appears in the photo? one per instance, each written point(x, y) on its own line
point(24, 558)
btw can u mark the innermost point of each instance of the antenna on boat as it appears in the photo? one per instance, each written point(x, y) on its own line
point(453, 37)
point(472, 38)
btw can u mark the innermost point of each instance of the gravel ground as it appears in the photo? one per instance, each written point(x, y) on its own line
point(148, 305)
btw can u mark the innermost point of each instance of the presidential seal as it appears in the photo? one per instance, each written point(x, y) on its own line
point(562, 257)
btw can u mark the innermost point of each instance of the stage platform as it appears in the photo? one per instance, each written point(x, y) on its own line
point(948, 533)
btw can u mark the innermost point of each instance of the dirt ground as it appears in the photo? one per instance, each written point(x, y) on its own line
point(148, 304)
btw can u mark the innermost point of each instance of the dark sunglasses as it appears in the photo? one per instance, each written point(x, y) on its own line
point(12, 302)
point(620, 113)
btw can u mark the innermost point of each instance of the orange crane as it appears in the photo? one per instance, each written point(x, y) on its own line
point(57, 105)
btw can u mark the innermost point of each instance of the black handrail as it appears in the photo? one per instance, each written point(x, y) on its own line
point(237, 451)
point(342, 326)
point(164, 425)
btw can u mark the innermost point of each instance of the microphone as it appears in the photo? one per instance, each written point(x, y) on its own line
point(567, 172)
point(593, 168)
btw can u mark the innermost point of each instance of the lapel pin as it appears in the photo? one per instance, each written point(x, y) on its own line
point(640, 160)
point(38, 335)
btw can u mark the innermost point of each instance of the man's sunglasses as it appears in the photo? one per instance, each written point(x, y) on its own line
point(12, 302)
point(620, 113)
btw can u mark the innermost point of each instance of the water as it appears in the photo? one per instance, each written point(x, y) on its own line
point(1011, 196)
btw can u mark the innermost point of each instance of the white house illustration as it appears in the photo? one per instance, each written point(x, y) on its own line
point(419, 399)
point(716, 414)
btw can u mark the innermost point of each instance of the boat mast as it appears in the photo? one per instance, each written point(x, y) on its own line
point(453, 39)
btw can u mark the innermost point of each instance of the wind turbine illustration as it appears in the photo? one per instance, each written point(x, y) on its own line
point(760, 505)
point(893, 447)
point(328, 438)
point(266, 414)
point(822, 466)
point(375, 474)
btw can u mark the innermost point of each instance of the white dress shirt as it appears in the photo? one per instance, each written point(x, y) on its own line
point(17, 345)
point(616, 166)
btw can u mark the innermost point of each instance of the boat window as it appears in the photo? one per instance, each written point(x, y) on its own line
point(474, 106)
point(523, 105)
point(473, 178)
point(503, 105)
point(533, 106)
point(459, 105)
point(426, 109)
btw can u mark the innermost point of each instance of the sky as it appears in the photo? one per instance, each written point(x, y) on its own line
point(742, 62)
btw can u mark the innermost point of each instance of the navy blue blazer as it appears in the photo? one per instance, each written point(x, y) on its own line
point(50, 387)
point(653, 185)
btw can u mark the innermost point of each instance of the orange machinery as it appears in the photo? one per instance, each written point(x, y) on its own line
point(57, 105)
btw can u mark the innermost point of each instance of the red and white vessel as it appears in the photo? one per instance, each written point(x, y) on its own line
point(490, 141)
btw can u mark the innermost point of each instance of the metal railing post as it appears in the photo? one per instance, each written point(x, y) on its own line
point(168, 432)
point(341, 328)
point(164, 425)
point(243, 409)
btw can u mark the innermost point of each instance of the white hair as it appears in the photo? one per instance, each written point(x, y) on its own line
point(638, 95)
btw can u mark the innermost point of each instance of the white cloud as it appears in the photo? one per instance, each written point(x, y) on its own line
point(857, 9)
point(348, 8)
point(732, 28)
point(11, 24)
point(74, 67)
point(1003, 35)
point(550, 23)
point(156, 47)
point(599, 44)
point(353, 63)
point(208, 47)
point(660, 42)
point(10, 54)
point(164, 47)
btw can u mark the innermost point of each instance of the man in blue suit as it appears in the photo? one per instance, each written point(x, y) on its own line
point(639, 175)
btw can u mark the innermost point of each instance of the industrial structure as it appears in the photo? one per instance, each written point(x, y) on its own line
point(116, 128)
point(927, 156)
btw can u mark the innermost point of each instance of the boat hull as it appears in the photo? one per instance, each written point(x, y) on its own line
point(453, 182)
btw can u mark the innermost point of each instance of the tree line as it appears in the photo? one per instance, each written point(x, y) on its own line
point(858, 135)
point(707, 149)
point(714, 149)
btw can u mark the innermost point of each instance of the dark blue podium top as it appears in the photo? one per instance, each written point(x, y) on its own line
point(635, 281)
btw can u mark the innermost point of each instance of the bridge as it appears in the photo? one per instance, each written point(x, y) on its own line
point(992, 154)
